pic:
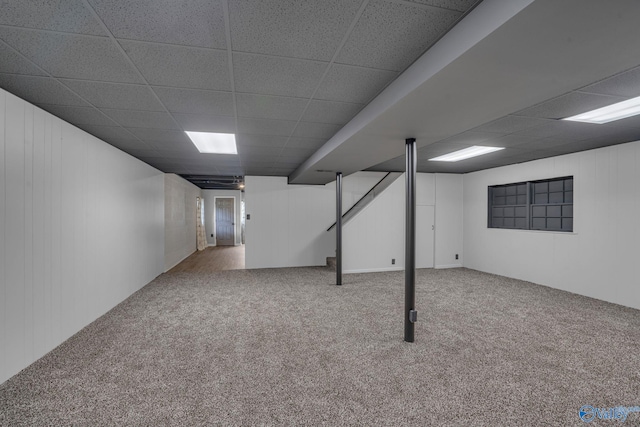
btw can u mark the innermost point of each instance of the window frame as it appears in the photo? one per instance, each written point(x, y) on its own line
point(522, 216)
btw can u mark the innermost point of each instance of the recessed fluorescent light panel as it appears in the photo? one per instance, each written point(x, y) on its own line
point(467, 153)
point(219, 143)
point(610, 113)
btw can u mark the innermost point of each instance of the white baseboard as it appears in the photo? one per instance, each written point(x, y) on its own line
point(448, 266)
point(211, 244)
point(373, 270)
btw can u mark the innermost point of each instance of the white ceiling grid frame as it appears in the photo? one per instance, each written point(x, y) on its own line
point(227, 28)
point(354, 22)
point(131, 63)
point(462, 37)
point(49, 75)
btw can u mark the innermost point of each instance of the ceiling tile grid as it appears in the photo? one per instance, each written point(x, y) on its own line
point(391, 35)
point(72, 56)
point(196, 101)
point(284, 75)
point(307, 29)
point(115, 95)
point(40, 90)
point(68, 16)
point(180, 66)
point(189, 23)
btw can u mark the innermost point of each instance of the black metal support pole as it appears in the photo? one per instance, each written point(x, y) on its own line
point(339, 228)
point(410, 314)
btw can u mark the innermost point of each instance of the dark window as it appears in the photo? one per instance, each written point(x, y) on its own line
point(534, 205)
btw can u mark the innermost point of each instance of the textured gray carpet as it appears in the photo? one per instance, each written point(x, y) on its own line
point(285, 347)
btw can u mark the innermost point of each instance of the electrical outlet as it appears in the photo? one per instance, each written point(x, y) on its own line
point(393, 261)
point(456, 256)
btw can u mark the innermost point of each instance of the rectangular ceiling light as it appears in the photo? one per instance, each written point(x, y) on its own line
point(467, 153)
point(219, 143)
point(610, 113)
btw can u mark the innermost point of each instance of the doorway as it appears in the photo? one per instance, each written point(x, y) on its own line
point(224, 221)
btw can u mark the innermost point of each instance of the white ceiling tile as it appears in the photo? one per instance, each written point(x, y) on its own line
point(510, 124)
point(459, 5)
point(308, 29)
point(69, 16)
point(276, 76)
point(79, 115)
point(353, 84)
point(72, 56)
point(179, 66)
point(331, 112)
point(261, 140)
point(40, 90)
point(392, 35)
point(143, 119)
point(313, 143)
point(158, 136)
point(316, 130)
point(569, 105)
point(11, 62)
point(112, 134)
point(269, 107)
point(626, 84)
point(471, 138)
point(196, 101)
point(258, 171)
point(258, 153)
point(126, 145)
point(265, 127)
point(567, 130)
point(190, 23)
point(115, 95)
point(206, 123)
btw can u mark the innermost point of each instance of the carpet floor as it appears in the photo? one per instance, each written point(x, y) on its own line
point(286, 347)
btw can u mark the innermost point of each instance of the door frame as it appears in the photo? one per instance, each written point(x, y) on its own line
point(215, 228)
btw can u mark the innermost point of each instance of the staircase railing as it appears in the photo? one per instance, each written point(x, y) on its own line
point(374, 192)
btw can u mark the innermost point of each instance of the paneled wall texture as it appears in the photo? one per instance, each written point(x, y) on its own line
point(81, 229)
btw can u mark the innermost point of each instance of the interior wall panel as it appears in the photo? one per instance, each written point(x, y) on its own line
point(82, 227)
point(598, 259)
point(3, 213)
point(288, 223)
point(14, 242)
point(180, 219)
point(448, 216)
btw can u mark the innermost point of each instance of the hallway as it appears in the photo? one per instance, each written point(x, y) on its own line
point(213, 258)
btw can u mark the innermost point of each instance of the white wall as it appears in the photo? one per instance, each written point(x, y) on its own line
point(288, 222)
point(180, 219)
point(81, 229)
point(449, 210)
point(599, 259)
point(377, 235)
point(210, 208)
point(287, 225)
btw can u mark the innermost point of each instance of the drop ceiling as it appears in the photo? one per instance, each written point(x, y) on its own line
point(326, 85)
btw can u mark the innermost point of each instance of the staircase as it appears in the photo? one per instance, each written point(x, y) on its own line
point(375, 191)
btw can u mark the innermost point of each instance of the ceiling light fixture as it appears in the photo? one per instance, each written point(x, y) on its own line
point(219, 143)
point(467, 153)
point(610, 113)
